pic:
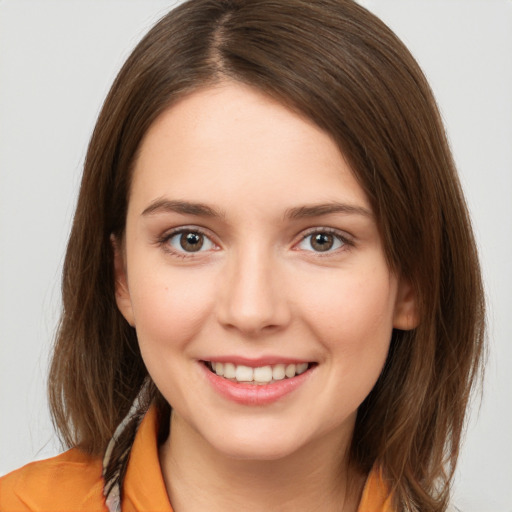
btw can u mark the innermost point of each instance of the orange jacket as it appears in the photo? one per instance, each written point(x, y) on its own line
point(72, 482)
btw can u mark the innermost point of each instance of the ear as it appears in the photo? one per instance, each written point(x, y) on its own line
point(406, 315)
point(122, 291)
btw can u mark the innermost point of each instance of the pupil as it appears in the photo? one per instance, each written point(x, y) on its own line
point(322, 242)
point(191, 241)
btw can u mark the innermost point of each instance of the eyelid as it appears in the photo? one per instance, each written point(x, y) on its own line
point(163, 240)
point(343, 236)
point(346, 240)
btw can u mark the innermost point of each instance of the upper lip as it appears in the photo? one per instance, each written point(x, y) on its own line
point(257, 361)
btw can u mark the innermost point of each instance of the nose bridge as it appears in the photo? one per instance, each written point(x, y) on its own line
point(253, 298)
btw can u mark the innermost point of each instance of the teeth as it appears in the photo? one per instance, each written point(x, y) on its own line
point(278, 372)
point(260, 374)
point(244, 373)
point(263, 374)
point(301, 368)
point(219, 369)
point(290, 370)
point(229, 370)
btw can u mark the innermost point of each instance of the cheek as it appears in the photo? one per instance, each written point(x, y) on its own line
point(169, 306)
point(353, 322)
point(353, 312)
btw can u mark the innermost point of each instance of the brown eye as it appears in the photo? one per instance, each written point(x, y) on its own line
point(191, 241)
point(321, 241)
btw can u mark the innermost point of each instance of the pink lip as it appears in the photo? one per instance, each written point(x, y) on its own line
point(254, 394)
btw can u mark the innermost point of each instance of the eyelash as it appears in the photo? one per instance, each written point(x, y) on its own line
point(163, 241)
point(345, 241)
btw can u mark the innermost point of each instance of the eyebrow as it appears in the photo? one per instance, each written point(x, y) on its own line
point(317, 210)
point(184, 207)
point(299, 212)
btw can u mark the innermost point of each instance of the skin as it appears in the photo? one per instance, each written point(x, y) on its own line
point(257, 288)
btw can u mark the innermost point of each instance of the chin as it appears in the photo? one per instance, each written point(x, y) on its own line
point(257, 451)
point(256, 444)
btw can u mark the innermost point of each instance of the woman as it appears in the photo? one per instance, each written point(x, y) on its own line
point(271, 239)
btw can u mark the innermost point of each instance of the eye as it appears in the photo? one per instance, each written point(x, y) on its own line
point(189, 241)
point(322, 241)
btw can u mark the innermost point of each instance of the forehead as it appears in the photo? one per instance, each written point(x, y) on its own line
point(232, 141)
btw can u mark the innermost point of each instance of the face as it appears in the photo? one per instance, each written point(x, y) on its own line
point(254, 274)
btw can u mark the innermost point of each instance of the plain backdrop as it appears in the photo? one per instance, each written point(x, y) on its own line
point(57, 60)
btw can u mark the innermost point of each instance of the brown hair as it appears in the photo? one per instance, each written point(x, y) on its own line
point(337, 64)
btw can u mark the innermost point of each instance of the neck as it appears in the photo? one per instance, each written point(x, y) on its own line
point(200, 478)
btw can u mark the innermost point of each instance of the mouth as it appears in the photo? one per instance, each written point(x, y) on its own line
point(260, 375)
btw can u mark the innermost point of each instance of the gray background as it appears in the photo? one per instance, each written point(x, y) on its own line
point(57, 60)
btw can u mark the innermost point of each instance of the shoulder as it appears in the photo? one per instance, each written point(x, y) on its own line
point(376, 496)
point(70, 481)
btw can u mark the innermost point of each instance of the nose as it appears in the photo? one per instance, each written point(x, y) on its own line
point(253, 294)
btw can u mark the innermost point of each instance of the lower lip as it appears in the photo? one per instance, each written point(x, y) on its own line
point(255, 394)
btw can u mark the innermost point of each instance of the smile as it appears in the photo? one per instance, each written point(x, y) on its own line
point(257, 385)
point(262, 375)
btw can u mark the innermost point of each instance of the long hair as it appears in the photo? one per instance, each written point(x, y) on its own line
point(337, 64)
